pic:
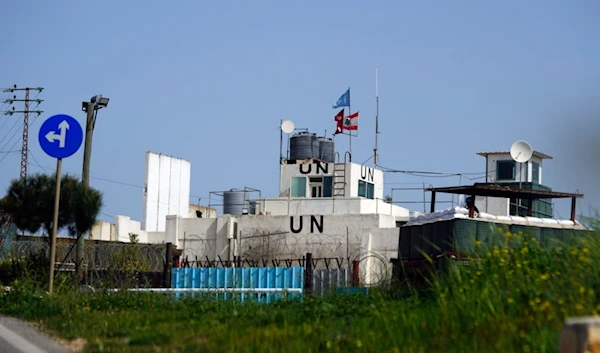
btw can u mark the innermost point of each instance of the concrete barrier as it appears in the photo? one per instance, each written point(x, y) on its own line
point(581, 335)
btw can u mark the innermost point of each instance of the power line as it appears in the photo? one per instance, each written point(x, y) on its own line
point(16, 142)
point(38, 164)
point(11, 129)
point(105, 179)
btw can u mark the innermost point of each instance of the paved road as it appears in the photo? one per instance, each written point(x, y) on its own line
point(17, 336)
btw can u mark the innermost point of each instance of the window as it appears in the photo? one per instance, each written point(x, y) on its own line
point(327, 186)
point(298, 188)
point(535, 172)
point(316, 186)
point(366, 189)
point(505, 170)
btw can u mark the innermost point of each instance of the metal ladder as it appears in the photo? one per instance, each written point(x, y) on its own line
point(339, 175)
point(339, 179)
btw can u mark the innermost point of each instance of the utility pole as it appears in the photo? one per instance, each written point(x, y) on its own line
point(25, 112)
point(91, 108)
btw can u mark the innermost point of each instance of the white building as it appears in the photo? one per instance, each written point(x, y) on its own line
point(332, 210)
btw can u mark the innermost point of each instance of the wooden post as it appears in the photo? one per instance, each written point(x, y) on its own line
point(573, 208)
point(308, 274)
point(355, 273)
point(54, 225)
point(530, 208)
point(168, 266)
point(432, 207)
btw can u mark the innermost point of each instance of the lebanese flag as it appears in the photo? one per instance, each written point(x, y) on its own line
point(351, 122)
point(339, 118)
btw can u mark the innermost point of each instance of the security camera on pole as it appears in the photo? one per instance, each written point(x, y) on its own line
point(60, 137)
point(96, 103)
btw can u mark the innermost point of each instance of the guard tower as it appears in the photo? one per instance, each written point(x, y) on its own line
point(502, 169)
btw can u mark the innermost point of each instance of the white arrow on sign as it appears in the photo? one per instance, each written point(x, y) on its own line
point(53, 136)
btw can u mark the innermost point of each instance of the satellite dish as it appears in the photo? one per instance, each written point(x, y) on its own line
point(287, 126)
point(521, 151)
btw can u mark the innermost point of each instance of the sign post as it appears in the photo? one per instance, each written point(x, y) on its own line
point(60, 137)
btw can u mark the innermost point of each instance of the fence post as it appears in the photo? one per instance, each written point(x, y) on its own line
point(308, 274)
point(580, 335)
point(168, 266)
point(355, 273)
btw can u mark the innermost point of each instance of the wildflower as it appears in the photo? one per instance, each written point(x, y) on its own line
point(581, 289)
point(477, 243)
point(510, 300)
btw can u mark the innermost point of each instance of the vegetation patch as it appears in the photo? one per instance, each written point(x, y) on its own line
point(513, 298)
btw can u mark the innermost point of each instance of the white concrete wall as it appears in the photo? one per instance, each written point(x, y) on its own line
point(125, 225)
point(201, 237)
point(206, 212)
point(370, 238)
point(364, 173)
point(103, 231)
point(166, 190)
point(323, 235)
point(381, 245)
point(326, 206)
point(156, 237)
point(496, 206)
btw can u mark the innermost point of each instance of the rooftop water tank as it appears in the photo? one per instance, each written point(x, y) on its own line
point(304, 145)
point(326, 150)
point(234, 201)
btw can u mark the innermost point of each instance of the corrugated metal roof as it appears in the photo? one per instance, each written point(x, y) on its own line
point(535, 153)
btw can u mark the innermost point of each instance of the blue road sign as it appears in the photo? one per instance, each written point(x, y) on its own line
point(60, 136)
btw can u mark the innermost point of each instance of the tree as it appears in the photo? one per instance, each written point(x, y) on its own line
point(30, 203)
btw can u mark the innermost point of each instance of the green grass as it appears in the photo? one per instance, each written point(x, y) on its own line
point(514, 299)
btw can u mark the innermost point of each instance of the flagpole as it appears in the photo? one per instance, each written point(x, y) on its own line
point(376, 154)
point(350, 131)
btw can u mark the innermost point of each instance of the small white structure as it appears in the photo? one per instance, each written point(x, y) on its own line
point(500, 168)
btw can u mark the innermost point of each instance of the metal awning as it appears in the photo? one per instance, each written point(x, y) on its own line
point(495, 190)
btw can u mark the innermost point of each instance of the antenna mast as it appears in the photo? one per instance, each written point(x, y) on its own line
point(375, 150)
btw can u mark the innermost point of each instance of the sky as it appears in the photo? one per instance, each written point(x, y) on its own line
point(210, 81)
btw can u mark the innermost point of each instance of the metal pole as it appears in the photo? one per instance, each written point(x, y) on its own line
point(280, 151)
point(54, 225)
point(376, 154)
point(25, 147)
point(349, 131)
point(85, 178)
